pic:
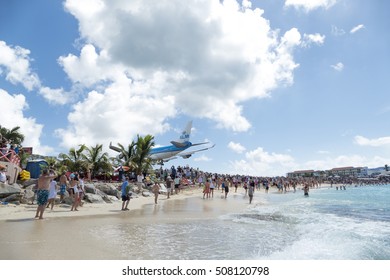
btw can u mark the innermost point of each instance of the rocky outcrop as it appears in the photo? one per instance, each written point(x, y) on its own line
point(24, 193)
point(7, 190)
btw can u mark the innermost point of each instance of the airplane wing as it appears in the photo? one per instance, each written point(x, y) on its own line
point(189, 154)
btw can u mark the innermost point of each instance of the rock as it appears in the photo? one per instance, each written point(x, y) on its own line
point(93, 198)
point(90, 188)
point(146, 193)
point(13, 198)
point(7, 190)
point(107, 188)
point(28, 196)
point(28, 183)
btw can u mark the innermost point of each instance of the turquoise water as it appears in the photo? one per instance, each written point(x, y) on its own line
point(330, 224)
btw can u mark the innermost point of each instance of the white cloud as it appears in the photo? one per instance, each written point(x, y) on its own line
point(309, 39)
point(202, 158)
point(15, 62)
point(376, 142)
point(236, 147)
point(356, 28)
point(338, 66)
point(309, 5)
point(189, 57)
point(12, 115)
point(261, 163)
point(337, 31)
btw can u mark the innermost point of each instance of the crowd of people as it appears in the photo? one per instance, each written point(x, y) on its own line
point(50, 184)
point(174, 179)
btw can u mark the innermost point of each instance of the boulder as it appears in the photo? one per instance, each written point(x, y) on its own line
point(28, 183)
point(146, 193)
point(90, 188)
point(13, 198)
point(93, 198)
point(7, 190)
point(28, 196)
point(109, 189)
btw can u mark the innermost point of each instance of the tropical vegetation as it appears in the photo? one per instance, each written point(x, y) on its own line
point(93, 159)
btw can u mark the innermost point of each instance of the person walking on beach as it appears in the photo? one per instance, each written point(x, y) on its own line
point(227, 183)
point(156, 191)
point(251, 191)
point(169, 185)
point(75, 193)
point(63, 182)
point(206, 189)
point(43, 191)
point(212, 187)
point(306, 190)
point(125, 189)
point(177, 184)
point(52, 193)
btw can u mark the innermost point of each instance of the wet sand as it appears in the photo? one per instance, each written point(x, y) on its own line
point(66, 235)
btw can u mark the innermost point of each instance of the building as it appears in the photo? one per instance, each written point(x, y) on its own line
point(348, 171)
point(305, 173)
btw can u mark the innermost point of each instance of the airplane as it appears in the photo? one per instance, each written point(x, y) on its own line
point(177, 149)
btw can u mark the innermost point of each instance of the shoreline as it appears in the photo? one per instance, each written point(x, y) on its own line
point(13, 212)
point(69, 235)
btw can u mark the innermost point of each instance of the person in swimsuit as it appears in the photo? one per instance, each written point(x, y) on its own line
point(43, 191)
point(52, 193)
point(156, 191)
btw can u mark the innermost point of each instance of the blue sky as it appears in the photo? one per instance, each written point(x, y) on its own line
point(277, 85)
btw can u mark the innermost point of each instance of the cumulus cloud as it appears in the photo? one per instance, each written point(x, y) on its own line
point(309, 39)
point(356, 28)
point(375, 142)
point(202, 158)
point(262, 163)
point(12, 115)
point(15, 65)
point(338, 66)
point(309, 5)
point(236, 147)
point(190, 57)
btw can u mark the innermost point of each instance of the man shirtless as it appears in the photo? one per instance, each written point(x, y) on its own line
point(43, 191)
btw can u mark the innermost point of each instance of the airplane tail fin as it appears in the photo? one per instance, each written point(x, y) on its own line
point(184, 136)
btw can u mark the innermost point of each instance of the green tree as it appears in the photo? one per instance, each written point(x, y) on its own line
point(96, 160)
point(126, 155)
point(141, 157)
point(74, 160)
point(13, 135)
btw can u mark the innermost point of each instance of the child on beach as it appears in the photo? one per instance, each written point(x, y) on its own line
point(52, 193)
point(206, 189)
point(156, 191)
point(125, 189)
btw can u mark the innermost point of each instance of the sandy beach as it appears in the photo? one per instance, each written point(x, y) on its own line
point(64, 234)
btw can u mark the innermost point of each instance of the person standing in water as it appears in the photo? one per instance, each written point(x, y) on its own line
point(251, 191)
point(43, 191)
point(306, 190)
point(155, 191)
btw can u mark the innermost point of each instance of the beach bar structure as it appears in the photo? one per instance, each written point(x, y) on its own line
point(11, 161)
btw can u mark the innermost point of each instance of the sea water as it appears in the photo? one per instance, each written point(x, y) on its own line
point(330, 224)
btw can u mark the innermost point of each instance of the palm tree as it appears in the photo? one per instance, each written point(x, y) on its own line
point(13, 135)
point(74, 160)
point(141, 157)
point(126, 156)
point(96, 160)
